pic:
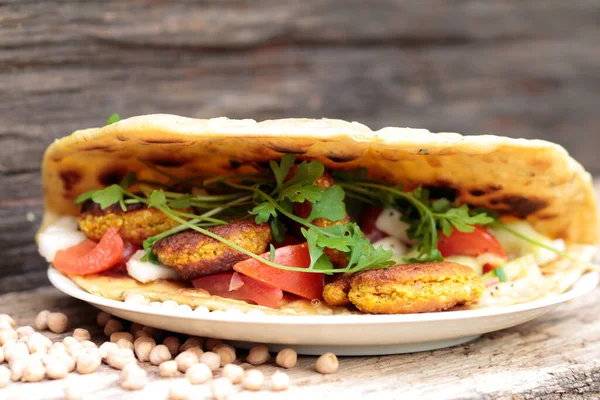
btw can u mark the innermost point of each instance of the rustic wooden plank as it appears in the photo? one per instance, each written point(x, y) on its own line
point(553, 357)
point(512, 68)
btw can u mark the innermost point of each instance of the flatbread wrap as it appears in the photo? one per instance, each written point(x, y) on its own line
point(317, 217)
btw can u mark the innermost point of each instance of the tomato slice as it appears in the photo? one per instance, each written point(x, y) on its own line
point(89, 257)
point(305, 284)
point(245, 288)
point(129, 249)
point(471, 244)
point(367, 224)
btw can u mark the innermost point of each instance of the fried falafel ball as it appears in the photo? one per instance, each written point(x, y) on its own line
point(194, 254)
point(135, 225)
point(407, 288)
point(303, 210)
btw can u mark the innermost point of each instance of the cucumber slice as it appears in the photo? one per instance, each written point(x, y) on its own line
point(519, 247)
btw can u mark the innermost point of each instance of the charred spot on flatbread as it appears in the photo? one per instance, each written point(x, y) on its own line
point(70, 178)
point(112, 176)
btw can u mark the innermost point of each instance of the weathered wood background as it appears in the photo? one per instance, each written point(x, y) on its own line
point(510, 67)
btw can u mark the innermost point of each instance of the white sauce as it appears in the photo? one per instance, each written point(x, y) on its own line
point(61, 235)
point(144, 271)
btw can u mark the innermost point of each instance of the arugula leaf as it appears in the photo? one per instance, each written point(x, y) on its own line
point(282, 170)
point(113, 118)
point(263, 212)
point(108, 196)
point(128, 180)
point(183, 201)
point(157, 199)
point(271, 252)
point(318, 259)
point(331, 205)
point(307, 173)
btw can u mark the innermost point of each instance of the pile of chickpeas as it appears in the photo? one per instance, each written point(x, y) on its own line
point(32, 357)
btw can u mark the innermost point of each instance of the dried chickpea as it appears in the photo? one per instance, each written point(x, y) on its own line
point(57, 347)
point(197, 351)
point(72, 346)
point(135, 327)
point(221, 388)
point(88, 361)
point(125, 344)
point(143, 347)
point(62, 358)
point(4, 376)
point(180, 390)
point(253, 380)
point(168, 369)
point(8, 335)
point(280, 381)
point(56, 369)
point(198, 374)
point(258, 355)
point(41, 320)
point(185, 360)
point(233, 372)
point(16, 369)
point(1, 355)
point(103, 318)
point(7, 320)
point(106, 347)
point(119, 358)
point(172, 343)
point(211, 343)
point(116, 336)
point(37, 343)
point(159, 354)
point(25, 331)
point(88, 344)
point(112, 326)
point(226, 352)
point(286, 358)
point(16, 351)
point(73, 392)
point(142, 333)
point(212, 360)
point(58, 322)
point(327, 364)
point(191, 342)
point(81, 334)
point(33, 372)
point(133, 377)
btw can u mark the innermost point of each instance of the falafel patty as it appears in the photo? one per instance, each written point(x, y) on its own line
point(134, 225)
point(407, 288)
point(194, 255)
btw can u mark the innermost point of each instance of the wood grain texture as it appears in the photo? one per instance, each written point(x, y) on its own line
point(554, 357)
point(508, 67)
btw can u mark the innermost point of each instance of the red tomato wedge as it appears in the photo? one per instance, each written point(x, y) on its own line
point(89, 257)
point(471, 244)
point(367, 224)
point(244, 288)
point(305, 284)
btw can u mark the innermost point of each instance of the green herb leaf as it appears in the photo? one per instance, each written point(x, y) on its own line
point(108, 196)
point(263, 212)
point(278, 230)
point(157, 199)
point(128, 180)
point(307, 173)
point(113, 118)
point(183, 201)
point(282, 169)
point(331, 205)
point(271, 252)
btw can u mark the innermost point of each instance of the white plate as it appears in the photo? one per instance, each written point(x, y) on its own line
point(349, 335)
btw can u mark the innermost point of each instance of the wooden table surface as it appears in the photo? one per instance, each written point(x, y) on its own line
point(554, 357)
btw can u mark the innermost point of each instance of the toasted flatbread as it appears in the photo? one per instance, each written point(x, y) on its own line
point(533, 180)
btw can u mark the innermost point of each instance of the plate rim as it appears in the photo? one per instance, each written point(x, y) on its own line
point(585, 284)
